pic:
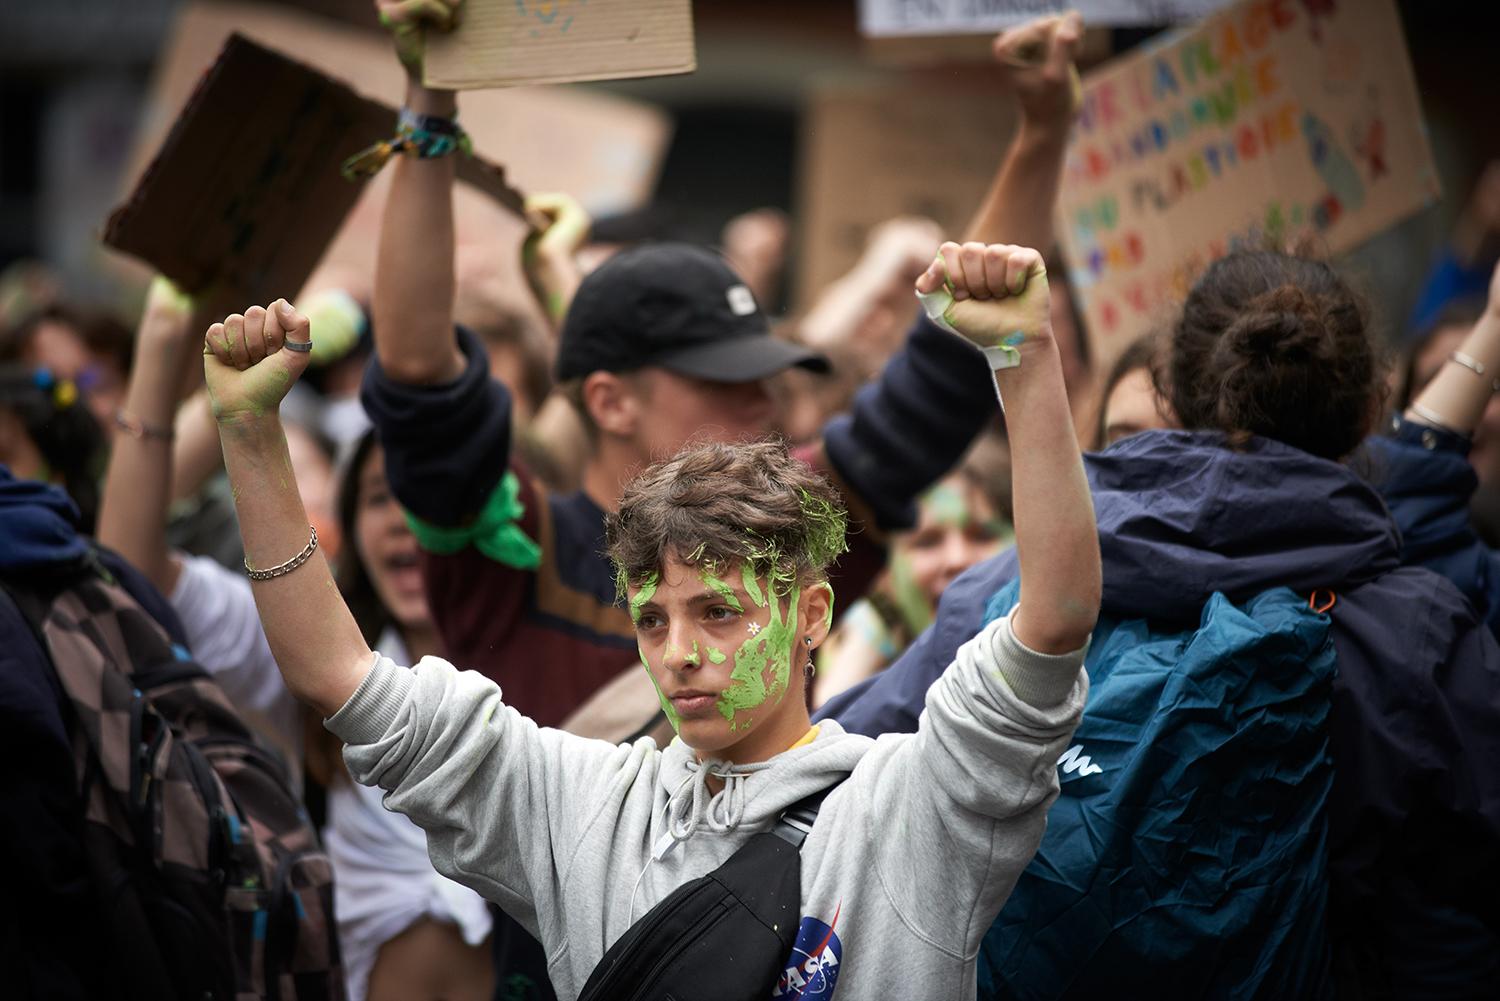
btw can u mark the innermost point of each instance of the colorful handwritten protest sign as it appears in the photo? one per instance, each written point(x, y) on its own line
point(889, 18)
point(1271, 120)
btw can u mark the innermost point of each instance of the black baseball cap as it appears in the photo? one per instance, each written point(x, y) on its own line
point(676, 306)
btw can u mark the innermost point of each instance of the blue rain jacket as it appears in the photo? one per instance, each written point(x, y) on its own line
point(1414, 723)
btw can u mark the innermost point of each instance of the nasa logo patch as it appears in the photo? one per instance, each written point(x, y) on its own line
point(812, 969)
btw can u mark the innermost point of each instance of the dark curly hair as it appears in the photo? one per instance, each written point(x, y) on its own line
point(715, 505)
point(1278, 346)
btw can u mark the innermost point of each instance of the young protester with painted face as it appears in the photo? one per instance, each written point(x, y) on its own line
point(1272, 374)
point(724, 554)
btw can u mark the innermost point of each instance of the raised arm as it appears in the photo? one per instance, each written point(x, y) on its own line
point(999, 301)
point(1457, 396)
point(413, 301)
point(1038, 59)
point(137, 486)
point(249, 369)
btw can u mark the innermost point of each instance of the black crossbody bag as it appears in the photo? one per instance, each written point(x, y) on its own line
point(725, 936)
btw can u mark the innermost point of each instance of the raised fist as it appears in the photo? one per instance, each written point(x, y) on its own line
point(1039, 59)
point(992, 295)
point(248, 364)
point(408, 21)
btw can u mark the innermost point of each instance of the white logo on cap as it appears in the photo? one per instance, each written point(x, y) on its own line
point(741, 302)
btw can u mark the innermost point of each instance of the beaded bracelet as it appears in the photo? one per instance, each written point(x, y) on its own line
point(285, 568)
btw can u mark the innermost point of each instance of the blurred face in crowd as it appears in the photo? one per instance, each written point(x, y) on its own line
point(957, 527)
point(727, 653)
point(61, 350)
point(386, 548)
point(1485, 455)
point(1132, 406)
point(675, 409)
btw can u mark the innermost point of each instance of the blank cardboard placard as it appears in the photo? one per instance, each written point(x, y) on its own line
point(512, 43)
point(870, 153)
point(604, 150)
point(245, 193)
point(1268, 122)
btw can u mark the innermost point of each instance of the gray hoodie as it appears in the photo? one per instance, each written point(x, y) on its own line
point(910, 860)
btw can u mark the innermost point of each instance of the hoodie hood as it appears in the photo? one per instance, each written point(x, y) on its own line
point(1183, 515)
point(754, 795)
point(38, 525)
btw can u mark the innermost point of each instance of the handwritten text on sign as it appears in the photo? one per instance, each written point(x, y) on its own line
point(1274, 118)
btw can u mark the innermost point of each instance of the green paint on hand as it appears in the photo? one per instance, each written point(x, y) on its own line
point(721, 587)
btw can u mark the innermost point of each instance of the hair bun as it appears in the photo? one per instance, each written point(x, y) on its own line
point(1283, 325)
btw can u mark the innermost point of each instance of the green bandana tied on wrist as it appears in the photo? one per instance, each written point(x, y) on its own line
point(496, 532)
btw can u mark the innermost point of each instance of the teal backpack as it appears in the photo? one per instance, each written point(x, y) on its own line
point(1186, 855)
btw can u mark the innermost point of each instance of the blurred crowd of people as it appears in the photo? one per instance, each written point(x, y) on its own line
point(1286, 777)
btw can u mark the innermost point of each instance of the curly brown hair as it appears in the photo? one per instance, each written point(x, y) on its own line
point(1275, 345)
point(716, 505)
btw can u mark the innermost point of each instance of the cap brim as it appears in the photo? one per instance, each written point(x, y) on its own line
point(742, 359)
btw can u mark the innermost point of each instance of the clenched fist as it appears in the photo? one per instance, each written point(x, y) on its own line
point(993, 295)
point(248, 364)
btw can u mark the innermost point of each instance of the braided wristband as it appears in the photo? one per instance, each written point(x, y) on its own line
point(290, 565)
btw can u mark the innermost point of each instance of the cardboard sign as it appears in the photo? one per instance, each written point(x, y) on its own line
point(892, 18)
point(510, 43)
point(905, 148)
point(246, 192)
point(604, 150)
point(1270, 121)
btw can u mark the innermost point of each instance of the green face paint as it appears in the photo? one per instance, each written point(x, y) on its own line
point(722, 589)
point(661, 696)
point(767, 653)
point(946, 504)
point(646, 592)
point(752, 586)
point(716, 656)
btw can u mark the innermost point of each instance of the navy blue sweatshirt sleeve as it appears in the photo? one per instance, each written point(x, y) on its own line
point(446, 445)
point(910, 427)
point(1424, 476)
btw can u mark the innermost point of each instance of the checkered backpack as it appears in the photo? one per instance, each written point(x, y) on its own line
point(210, 879)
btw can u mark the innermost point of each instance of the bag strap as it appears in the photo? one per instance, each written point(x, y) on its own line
point(796, 821)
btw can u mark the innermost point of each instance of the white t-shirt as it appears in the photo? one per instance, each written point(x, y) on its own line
point(383, 879)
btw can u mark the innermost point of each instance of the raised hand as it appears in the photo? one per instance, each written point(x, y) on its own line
point(408, 21)
point(994, 295)
point(1039, 59)
point(248, 364)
